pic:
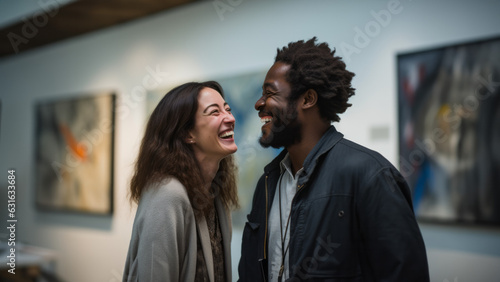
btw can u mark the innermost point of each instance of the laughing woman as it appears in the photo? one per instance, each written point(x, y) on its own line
point(185, 186)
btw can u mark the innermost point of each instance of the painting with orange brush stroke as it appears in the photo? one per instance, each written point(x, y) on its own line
point(74, 154)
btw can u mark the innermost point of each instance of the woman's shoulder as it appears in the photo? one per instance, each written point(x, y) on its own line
point(165, 192)
point(163, 205)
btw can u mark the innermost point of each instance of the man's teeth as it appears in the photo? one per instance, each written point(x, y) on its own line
point(266, 120)
point(226, 134)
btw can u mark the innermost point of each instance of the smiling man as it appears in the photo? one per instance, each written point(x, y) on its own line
point(326, 209)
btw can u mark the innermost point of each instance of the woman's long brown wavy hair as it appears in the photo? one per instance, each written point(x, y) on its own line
point(164, 153)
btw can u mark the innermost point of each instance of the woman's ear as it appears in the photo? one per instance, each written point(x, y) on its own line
point(189, 139)
point(310, 99)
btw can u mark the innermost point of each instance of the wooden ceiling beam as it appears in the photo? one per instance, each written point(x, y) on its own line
point(77, 18)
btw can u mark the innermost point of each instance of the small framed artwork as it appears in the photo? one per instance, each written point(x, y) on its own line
point(74, 154)
point(449, 131)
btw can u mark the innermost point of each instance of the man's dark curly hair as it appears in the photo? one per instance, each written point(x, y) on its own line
point(314, 66)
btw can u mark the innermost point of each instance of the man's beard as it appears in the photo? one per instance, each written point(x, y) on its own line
point(285, 130)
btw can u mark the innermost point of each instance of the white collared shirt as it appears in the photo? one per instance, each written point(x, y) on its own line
point(288, 187)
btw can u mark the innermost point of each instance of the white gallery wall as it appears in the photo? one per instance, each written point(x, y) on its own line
point(221, 38)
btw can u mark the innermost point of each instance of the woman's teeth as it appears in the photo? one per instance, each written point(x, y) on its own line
point(227, 134)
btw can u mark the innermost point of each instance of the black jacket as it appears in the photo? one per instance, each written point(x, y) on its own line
point(351, 219)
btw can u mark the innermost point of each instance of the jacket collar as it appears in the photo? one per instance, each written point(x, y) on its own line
point(327, 141)
point(275, 164)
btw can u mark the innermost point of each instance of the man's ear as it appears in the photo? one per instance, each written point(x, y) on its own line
point(310, 99)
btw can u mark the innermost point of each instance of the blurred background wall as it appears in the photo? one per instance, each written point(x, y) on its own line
point(202, 41)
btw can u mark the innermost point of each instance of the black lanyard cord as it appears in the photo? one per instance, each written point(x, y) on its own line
point(283, 237)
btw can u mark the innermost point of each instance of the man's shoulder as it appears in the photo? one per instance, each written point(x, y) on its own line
point(352, 152)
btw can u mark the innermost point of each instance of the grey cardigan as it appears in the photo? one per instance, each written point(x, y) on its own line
point(163, 245)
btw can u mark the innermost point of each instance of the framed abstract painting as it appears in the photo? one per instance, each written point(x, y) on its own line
point(74, 154)
point(449, 131)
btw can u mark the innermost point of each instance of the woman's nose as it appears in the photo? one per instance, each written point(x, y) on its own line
point(229, 118)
